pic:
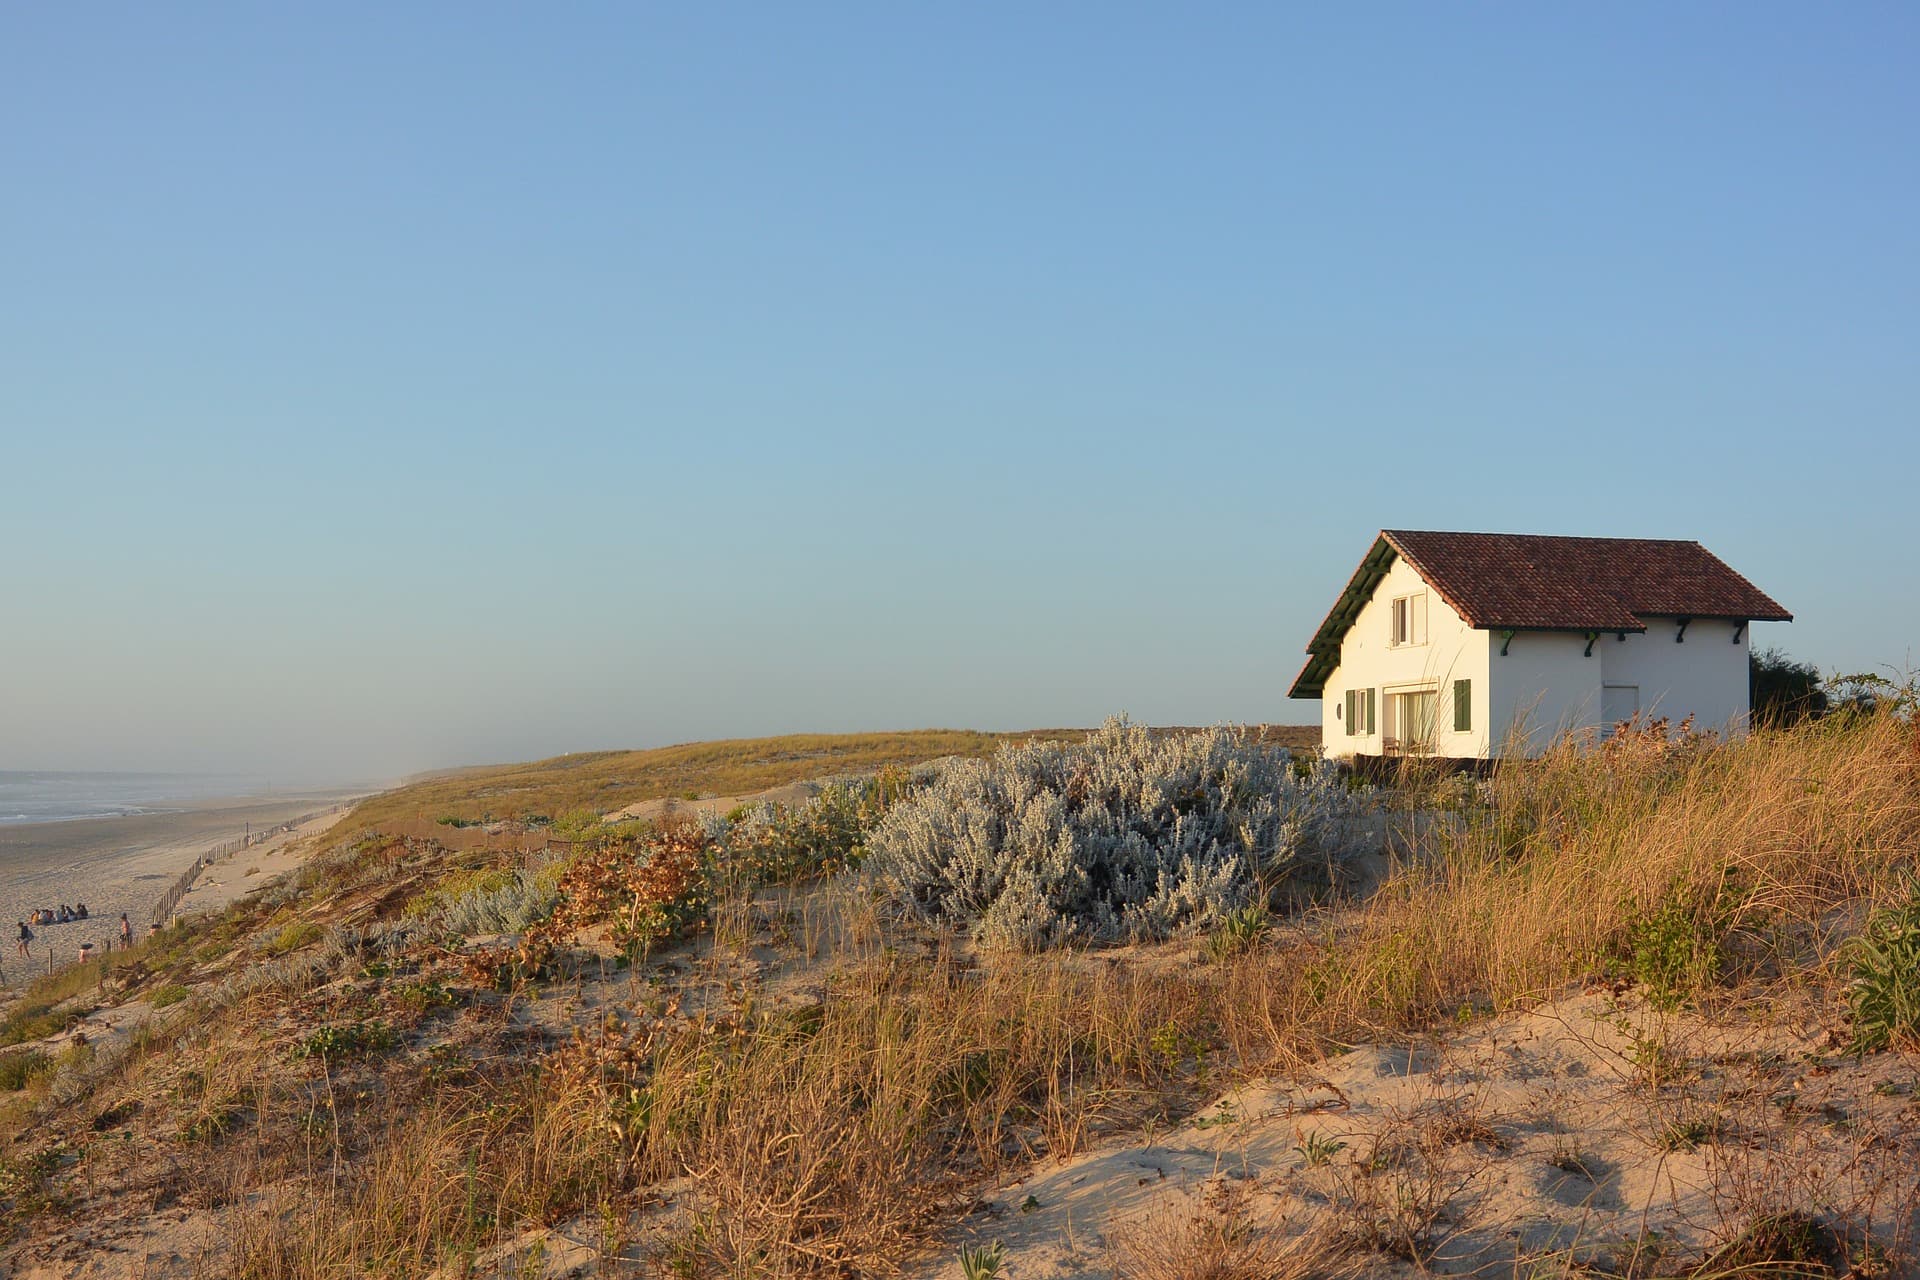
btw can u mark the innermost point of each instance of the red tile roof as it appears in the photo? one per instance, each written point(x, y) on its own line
point(1534, 582)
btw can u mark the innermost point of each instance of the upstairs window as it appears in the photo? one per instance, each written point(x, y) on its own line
point(1409, 619)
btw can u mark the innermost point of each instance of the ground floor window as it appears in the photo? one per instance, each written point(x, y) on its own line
point(1359, 712)
point(1411, 720)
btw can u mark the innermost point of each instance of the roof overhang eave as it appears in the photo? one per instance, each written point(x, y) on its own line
point(1312, 680)
point(1781, 616)
point(1577, 629)
point(1359, 589)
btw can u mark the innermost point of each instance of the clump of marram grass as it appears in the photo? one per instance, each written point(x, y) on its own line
point(1129, 836)
point(1224, 1240)
point(1684, 870)
point(436, 1181)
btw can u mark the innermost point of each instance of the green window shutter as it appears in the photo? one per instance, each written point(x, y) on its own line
point(1370, 701)
point(1462, 706)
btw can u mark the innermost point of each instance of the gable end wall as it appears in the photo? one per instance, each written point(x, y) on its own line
point(1454, 651)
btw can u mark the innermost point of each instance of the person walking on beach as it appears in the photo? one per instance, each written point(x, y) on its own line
point(26, 936)
point(126, 932)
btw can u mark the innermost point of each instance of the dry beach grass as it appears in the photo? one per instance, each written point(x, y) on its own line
point(795, 1079)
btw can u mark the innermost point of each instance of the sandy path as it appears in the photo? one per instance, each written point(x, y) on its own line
point(240, 873)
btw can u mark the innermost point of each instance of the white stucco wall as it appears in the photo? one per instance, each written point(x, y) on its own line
point(1543, 686)
point(1546, 685)
point(1704, 676)
point(1453, 651)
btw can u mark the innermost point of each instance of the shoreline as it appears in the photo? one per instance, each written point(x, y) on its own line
point(124, 864)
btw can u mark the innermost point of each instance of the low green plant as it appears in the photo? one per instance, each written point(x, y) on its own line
point(1240, 931)
point(168, 993)
point(1687, 1132)
point(32, 1022)
point(18, 1070)
point(1884, 965)
point(1175, 1043)
point(210, 1126)
point(26, 1187)
point(476, 882)
point(48, 1004)
point(1779, 1244)
point(346, 1040)
point(576, 823)
point(424, 995)
point(1651, 1053)
point(292, 937)
point(1677, 948)
point(982, 1262)
point(1318, 1150)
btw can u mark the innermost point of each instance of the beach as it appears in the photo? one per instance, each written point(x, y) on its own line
point(122, 864)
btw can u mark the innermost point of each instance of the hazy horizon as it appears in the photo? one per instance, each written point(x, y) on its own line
point(388, 390)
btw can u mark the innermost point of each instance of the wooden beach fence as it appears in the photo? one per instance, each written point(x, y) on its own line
point(163, 910)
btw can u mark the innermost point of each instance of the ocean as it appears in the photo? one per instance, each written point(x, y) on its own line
point(64, 797)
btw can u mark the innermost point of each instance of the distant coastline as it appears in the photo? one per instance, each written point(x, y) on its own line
point(33, 796)
point(121, 863)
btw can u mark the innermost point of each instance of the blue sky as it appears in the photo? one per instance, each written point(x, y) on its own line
point(389, 387)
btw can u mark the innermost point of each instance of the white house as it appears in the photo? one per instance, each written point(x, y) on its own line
point(1465, 644)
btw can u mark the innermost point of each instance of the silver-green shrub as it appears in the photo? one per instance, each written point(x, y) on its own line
point(526, 899)
point(1127, 837)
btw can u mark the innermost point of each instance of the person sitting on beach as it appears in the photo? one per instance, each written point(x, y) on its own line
point(80, 911)
point(66, 914)
point(26, 937)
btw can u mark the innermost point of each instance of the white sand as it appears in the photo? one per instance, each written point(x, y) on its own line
point(1546, 1135)
point(112, 865)
point(235, 875)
